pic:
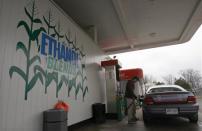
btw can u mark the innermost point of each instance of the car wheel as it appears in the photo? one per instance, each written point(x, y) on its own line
point(146, 118)
point(194, 118)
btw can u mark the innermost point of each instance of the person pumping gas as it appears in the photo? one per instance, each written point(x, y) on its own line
point(131, 95)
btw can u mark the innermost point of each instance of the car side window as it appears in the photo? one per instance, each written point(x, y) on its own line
point(163, 89)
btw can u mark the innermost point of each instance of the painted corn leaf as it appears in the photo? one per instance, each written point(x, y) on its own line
point(33, 81)
point(57, 33)
point(47, 23)
point(82, 54)
point(23, 23)
point(49, 79)
point(17, 70)
point(85, 91)
point(85, 78)
point(39, 47)
point(53, 35)
point(35, 34)
point(72, 83)
point(78, 73)
point(51, 26)
point(39, 69)
point(35, 58)
point(53, 76)
point(67, 39)
point(37, 21)
point(59, 86)
point(21, 46)
point(62, 80)
point(28, 14)
point(83, 66)
point(76, 49)
point(79, 87)
point(40, 77)
point(61, 36)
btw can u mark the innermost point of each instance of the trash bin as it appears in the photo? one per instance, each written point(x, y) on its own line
point(98, 112)
point(55, 120)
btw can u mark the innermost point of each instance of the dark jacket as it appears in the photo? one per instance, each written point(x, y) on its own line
point(129, 92)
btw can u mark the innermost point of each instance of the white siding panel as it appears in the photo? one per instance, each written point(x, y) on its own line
point(26, 115)
point(1, 60)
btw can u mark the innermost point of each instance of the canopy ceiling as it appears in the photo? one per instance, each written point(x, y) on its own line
point(127, 25)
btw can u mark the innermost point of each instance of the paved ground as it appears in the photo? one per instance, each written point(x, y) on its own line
point(171, 124)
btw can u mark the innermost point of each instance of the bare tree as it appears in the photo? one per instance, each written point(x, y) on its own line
point(149, 79)
point(193, 77)
point(169, 79)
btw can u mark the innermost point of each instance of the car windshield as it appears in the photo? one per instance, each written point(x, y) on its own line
point(164, 89)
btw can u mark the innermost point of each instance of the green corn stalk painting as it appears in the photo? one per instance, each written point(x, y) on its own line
point(78, 88)
point(49, 76)
point(71, 85)
point(71, 82)
point(80, 85)
point(33, 35)
point(62, 80)
point(49, 20)
point(44, 76)
point(84, 90)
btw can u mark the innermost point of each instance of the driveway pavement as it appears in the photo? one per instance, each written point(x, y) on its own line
point(164, 124)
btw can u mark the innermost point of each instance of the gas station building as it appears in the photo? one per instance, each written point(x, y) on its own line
point(54, 50)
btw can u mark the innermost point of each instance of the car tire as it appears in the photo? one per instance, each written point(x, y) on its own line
point(194, 118)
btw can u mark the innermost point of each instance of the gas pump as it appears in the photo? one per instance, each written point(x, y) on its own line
point(114, 93)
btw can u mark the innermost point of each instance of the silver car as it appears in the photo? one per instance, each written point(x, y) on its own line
point(169, 101)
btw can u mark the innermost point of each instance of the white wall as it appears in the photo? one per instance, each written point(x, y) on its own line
point(18, 114)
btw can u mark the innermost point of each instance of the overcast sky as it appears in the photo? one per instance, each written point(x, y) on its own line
point(163, 61)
